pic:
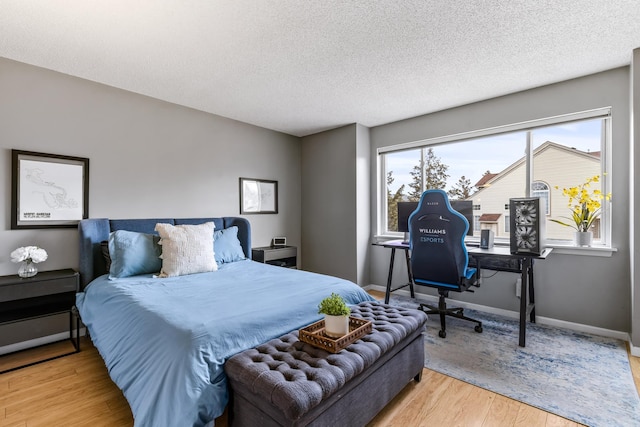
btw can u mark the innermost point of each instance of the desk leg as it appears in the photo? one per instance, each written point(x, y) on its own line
point(523, 302)
point(388, 293)
point(409, 272)
point(532, 299)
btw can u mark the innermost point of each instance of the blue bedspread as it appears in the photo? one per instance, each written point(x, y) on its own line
point(165, 341)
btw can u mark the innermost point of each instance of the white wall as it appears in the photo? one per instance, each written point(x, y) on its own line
point(147, 158)
point(583, 289)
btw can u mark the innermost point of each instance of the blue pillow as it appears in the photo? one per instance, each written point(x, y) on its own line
point(133, 253)
point(226, 245)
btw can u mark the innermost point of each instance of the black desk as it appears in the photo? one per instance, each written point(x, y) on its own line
point(524, 263)
point(515, 263)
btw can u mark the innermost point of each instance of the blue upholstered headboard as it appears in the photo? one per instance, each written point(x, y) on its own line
point(95, 230)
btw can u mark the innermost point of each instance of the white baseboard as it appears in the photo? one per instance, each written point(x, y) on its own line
point(624, 336)
point(11, 348)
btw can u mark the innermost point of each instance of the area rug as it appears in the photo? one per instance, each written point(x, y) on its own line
point(582, 377)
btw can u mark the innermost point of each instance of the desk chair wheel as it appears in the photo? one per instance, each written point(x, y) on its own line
point(478, 329)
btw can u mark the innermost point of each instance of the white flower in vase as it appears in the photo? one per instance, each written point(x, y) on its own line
point(28, 256)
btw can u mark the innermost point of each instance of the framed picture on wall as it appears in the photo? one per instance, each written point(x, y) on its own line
point(48, 190)
point(258, 196)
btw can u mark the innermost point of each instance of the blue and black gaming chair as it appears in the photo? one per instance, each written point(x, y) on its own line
point(439, 257)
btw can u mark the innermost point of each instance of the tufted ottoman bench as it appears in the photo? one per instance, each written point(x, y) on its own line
point(286, 382)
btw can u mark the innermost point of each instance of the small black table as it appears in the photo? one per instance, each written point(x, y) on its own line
point(46, 294)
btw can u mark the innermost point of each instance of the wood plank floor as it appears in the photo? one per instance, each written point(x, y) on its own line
point(76, 391)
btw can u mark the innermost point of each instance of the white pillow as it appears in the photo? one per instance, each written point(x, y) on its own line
point(186, 249)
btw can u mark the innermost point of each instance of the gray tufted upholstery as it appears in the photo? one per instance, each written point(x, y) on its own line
point(295, 376)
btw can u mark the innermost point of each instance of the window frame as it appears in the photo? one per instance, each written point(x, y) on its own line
point(603, 113)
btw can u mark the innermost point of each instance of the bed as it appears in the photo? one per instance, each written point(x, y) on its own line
point(165, 340)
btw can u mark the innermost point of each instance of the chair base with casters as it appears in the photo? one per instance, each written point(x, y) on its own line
point(444, 311)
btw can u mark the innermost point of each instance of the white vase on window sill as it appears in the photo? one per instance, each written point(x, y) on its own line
point(584, 238)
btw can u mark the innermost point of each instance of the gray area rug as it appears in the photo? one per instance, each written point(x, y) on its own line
point(582, 377)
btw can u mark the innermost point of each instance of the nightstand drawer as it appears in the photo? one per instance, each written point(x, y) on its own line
point(42, 284)
point(279, 253)
point(49, 287)
point(286, 256)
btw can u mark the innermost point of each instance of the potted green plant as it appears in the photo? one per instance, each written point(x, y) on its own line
point(336, 315)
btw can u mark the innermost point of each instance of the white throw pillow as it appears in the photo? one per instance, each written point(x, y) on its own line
point(186, 249)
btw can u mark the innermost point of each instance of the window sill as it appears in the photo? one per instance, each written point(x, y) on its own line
point(596, 250)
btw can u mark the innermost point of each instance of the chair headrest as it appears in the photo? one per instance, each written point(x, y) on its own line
point(434, 201)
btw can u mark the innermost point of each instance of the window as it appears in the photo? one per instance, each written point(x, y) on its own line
point(507, 224)
point(491, 166)
point(541, 190)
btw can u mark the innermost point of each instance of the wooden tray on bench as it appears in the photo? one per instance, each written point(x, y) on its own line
point(314, 334)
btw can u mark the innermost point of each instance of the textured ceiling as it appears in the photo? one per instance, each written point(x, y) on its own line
point(305, 66)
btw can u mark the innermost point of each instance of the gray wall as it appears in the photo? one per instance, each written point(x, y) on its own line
point(635, 202)
point(335, 206)
point(363, 206)
point(147, 158)
point(583, 289)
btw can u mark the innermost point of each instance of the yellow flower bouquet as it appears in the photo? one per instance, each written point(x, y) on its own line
point(585, 205)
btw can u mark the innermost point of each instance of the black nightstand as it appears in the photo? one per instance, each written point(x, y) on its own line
point(282, 256)
point(46, 294)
